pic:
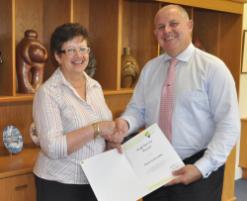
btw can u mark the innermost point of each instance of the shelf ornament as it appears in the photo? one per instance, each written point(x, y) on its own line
point(12, 139)
point(31, 57)
point(130, 69)
point(91, 67)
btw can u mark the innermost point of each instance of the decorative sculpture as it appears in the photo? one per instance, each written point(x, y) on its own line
point(31, 56)
point(130, 69)
point(91, 67)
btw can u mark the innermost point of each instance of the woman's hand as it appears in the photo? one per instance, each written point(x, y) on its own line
point(121, 129)
point(106, 129)
point(117, 138)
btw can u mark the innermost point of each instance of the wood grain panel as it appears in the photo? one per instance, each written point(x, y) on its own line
point(243, 144)
point(117, 103)
point(17, 164)
point(23, 188)
point(104, 32)
point(17, 114)
point(28, 15)
point(202, 18)
point(4, 187)
point(18, 188)
point(56, 12)
point(6, 42)
point(243, 147)
point(230, 48)
point(81, 12)
point(219, 5)
point(138, 30)
point(228, 193)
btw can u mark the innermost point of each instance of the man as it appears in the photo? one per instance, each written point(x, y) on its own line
point(202, 120)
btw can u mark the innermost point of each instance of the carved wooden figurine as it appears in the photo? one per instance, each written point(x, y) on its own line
point(31, 56)
point(130, 69)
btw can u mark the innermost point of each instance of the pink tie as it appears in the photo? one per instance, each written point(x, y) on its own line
point(167, 100)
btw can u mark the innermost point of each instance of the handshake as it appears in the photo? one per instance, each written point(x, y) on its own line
point(112, 131)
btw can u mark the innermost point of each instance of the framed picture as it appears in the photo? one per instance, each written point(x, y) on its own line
point(244, 53)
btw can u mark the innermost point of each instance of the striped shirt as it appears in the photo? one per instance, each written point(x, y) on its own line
point(57, 110)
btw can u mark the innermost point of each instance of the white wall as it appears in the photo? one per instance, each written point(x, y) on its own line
point(243, 93)
point(242, 98)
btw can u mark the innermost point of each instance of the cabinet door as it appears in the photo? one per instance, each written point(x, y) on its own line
point(243, 147)
point(4, 191)
point(17, 188)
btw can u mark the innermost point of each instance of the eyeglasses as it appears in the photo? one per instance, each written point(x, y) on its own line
point(72, 51)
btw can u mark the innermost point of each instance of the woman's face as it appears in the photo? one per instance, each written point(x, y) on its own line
point(74, 56)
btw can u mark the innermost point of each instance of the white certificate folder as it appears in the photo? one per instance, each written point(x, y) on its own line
point(146, 164)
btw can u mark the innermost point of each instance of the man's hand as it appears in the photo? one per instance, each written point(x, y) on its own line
point(186, 175)
point(122, 126)
point(121, 129)
point(117, 138)
point(112, 145)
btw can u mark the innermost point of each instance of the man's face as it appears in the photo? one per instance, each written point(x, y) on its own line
point(173, 31)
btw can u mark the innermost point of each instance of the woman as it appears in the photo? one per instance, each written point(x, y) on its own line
point(71, 118)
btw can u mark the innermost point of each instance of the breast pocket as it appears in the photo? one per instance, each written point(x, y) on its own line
point(195, 100)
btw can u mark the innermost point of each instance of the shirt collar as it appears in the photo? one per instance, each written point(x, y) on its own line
point(90, 83)
point(183, 56)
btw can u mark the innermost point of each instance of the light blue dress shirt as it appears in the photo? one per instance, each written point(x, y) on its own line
point(205, 114)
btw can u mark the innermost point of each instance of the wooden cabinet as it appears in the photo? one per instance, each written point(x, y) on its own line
point(113, 25)
point(243, 147)
point(16, 178)
point(18, 188)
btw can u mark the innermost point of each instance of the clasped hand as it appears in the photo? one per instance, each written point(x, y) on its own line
point(114, 132)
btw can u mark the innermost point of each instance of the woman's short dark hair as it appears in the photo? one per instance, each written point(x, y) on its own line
point(65, 33)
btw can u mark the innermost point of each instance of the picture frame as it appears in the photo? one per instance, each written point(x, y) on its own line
point(244, 53)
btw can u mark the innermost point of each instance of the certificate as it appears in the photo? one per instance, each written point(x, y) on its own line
point(146, 164)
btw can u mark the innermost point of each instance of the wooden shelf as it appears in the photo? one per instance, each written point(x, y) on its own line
point(29, 97)
point(17, 98)
point(18, 164)
point(230, 6)
point(118, 92)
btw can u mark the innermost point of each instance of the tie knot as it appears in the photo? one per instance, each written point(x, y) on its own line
point(173, 61)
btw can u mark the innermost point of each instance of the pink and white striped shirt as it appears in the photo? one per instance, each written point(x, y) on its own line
point(57, 110)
